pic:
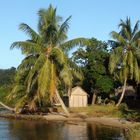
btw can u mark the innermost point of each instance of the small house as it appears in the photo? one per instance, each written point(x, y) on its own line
point(78, 97)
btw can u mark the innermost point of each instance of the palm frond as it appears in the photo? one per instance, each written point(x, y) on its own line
point(136, 28)
point(27, 62)
point(63, 30)
point(131, 63)
point(118, 37)
point(66, 76)
point(34, 70)
point(75, 42)
point(58, 55)
point(27, 47)
point(44, 78)
point(29, 31)
point(136, 36)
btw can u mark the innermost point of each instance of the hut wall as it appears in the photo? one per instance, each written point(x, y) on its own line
point(78, 101)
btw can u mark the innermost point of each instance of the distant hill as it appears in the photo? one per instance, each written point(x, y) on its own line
point(7, 76)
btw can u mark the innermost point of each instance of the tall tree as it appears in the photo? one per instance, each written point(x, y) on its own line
point(93, 60)
point(46, 65)
point(125, 55)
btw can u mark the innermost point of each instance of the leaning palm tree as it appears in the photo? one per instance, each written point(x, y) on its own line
point(46, 65)
point(124, 58)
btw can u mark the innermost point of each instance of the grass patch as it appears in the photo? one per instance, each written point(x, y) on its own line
point(109, 111)
point(98, 111)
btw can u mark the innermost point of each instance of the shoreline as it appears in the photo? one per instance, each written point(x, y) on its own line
point(108, 121)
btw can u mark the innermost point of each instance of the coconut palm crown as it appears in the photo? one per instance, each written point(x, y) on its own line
point(124, 58)
point(46, 65)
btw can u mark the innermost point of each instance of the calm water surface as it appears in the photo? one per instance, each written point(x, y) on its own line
point(31, 130)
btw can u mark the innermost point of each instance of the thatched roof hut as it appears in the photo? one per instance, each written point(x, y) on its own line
point(129, 91)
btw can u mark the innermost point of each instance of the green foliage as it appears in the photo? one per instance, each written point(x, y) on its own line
point(93, 59)
point(128, 114)
point(123, 107)
point(104, 84)
point(7, 76)
point(124, 59)
point(6, 82)
point(46, 65)
point(3, 94)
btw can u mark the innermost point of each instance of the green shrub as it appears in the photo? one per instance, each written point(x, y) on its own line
point(123, 108)
point(128, 114)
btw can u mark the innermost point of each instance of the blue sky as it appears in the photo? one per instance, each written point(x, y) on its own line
point(90, 18)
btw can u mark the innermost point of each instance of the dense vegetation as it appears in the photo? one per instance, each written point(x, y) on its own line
point(46, 66)
point(93, 60)
point(6, 81)
point(47, 71)
point(7, 76)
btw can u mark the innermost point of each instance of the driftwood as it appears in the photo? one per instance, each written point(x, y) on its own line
point(7, 107)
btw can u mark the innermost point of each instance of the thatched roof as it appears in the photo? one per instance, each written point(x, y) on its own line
point(129, 91)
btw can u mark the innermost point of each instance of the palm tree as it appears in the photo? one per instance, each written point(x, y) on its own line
point(46, 65)
point(124, 58)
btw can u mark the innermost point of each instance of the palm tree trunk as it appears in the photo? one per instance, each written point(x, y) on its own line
point(94, 98)
point(62, 103)
point(123, 92)
point(7, 107)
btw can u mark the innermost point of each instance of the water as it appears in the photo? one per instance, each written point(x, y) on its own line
point(33, 130)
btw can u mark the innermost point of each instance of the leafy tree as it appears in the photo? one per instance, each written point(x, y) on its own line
point(93, 59)
point(125, 55)
point(46, 65)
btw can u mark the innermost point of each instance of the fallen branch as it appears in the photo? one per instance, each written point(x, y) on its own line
point(7, 107)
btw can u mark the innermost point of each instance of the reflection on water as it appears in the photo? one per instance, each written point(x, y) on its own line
point(31, 130)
